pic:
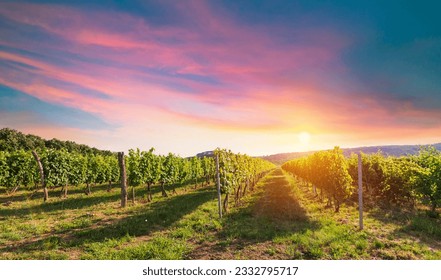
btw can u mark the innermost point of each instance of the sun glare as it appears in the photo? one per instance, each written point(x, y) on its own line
point(304, 138)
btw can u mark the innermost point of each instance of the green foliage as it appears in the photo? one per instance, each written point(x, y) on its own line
point(373, 169)
point(56, 166)
point(150, 166)
point(20, 169)
point(398, 185)
point(196, 170)
point(134, 174)
point(91, 169)
point(12, 140)
point(237, 168)
point(111, 168)
point(187, 227)
point(387, 180)
point(3, 168)
point(77, 171)
point(184, 170)
point(209, 168)
point(327, 170)
point(101, 169)
point(169, 169)
point(236, 171)
point(426, 178)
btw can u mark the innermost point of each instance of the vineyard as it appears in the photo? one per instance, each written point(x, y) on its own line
point(401, 181)
point(69, 203)
point(61, 169)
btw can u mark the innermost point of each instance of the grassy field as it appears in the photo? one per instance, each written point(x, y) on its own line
point(281, 219)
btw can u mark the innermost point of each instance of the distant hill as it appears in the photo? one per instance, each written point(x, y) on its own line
point(12, 140)
point(392, 150)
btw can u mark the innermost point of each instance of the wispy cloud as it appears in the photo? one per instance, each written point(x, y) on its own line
point(211, 70)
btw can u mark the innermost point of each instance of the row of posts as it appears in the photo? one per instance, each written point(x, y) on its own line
point(219, 202)
point(124, 182)
point(360, 190)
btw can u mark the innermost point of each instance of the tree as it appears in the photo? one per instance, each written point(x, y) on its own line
point(12, 140)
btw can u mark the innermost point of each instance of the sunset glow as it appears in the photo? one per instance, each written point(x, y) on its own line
point(189, 76)
point(304, 138)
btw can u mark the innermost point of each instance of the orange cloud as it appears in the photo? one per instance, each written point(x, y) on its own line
point(217, 74)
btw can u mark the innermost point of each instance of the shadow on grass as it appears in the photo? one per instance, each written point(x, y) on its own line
point(75, 194)
point(55, 204)
point(415, 224)
point(426, 229)
point(391, 215)
point(5, 198)
point(144, 221)
point(77, 199)
point(275, 212)
point(271, 213)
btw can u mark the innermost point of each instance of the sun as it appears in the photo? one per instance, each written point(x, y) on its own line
point(304, 138)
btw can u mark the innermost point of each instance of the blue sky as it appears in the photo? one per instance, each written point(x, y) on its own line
point(188, 76)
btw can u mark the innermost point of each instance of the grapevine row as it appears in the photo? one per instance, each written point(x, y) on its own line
point(238, 173)
point(386, 180)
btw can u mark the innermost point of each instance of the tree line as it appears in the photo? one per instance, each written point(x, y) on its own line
point(12, 140)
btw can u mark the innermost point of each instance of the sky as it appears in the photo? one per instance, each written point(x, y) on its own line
point(257, 77)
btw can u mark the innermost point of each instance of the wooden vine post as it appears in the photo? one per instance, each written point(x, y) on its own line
point(43, 180)
point(360, 191)
point(219, 203)
point(122, 168)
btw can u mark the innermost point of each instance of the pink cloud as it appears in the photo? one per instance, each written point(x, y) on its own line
point(255, 80)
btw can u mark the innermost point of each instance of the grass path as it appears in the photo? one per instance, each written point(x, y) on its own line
point(248, 232)
point(284, 220)
point(281, 219)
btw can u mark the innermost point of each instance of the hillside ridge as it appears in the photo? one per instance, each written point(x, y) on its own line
point(391, 150)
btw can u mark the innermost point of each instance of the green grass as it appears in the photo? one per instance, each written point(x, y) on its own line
point(281, 219)
point(423, 225)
